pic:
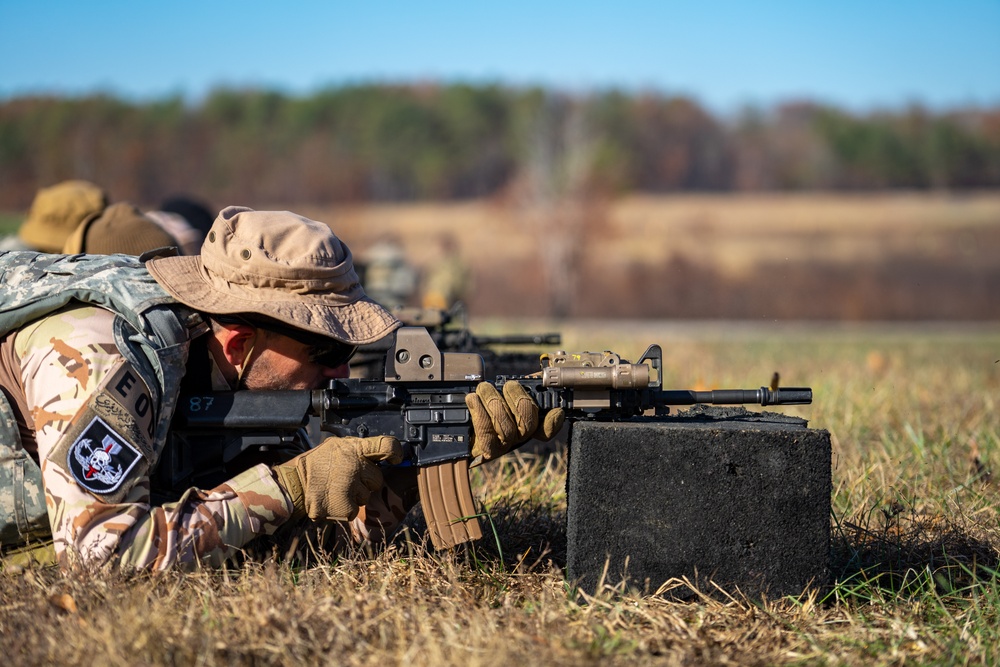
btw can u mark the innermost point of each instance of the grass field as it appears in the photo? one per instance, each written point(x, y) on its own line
point(900, 256)
point(732, 232)
point(915, 555)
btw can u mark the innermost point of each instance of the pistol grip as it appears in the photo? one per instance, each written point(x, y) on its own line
point(446, 497)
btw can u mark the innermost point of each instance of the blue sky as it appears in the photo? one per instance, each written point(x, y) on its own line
point(724, 53)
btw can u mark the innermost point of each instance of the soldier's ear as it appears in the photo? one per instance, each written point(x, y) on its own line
point(236, 341)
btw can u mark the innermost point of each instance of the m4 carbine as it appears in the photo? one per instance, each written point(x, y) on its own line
point(421, 402)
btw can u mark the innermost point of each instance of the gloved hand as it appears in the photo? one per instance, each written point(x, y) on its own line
point(331, 481)
point(501, 423)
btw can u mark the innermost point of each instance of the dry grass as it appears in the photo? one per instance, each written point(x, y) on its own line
point(915, 551)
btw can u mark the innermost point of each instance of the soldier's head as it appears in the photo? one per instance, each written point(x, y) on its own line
point(284, 295)
point(57, 211)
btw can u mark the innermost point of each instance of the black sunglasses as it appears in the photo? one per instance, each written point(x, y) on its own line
point(323, 350)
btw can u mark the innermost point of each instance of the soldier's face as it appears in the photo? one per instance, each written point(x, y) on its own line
point(284, 363)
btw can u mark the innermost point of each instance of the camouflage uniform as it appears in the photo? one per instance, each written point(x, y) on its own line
point(91, 359)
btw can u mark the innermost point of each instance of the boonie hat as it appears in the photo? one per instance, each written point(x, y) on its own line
point(280, 265)
point(120, 228)
point(57, 210)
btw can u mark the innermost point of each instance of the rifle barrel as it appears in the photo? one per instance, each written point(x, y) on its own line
point(762, 396)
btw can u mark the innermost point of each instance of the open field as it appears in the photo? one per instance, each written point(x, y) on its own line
point(879, 256)
point(733, 232)
point(915, 554)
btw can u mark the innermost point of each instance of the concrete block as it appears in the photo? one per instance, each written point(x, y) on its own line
point(727, 495)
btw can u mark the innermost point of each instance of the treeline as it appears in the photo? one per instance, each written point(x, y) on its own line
point(396, 143)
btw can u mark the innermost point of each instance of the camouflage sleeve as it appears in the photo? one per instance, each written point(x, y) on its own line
point(97, 495)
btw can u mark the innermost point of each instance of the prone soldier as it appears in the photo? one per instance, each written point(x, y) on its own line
point(95, 350)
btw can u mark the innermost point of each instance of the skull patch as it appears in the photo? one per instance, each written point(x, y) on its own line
point(99, 459)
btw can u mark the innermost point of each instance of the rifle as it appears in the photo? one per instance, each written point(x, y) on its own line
point(449, 330)
point(421, 401)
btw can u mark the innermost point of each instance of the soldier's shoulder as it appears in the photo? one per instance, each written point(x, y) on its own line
point(78, 321)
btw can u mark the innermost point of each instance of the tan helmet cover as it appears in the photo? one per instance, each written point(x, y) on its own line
point(58, 210)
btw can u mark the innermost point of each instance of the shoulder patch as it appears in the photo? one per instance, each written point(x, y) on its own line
point(108, 445)
point(100, 459)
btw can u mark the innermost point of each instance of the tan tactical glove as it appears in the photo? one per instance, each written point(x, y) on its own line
point(500, 423)
point(331, 481)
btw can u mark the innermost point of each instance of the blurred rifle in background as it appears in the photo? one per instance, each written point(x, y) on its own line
point(449, 329)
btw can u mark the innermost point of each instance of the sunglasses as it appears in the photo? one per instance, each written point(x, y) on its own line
point(322, 350)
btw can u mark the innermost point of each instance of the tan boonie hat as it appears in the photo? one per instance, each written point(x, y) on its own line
point(57, 211)
point(280, 265)
point(121, 228)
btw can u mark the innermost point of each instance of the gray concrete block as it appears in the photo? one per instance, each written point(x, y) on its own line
point(714, 494)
